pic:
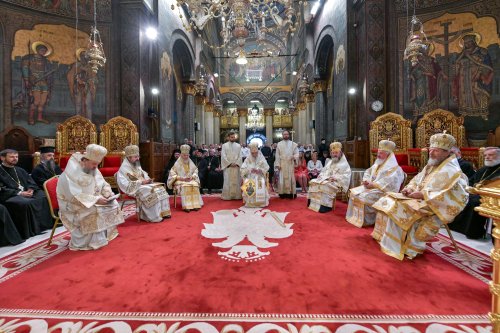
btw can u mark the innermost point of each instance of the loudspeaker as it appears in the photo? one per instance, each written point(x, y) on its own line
point(312, 124)
point(197, 126)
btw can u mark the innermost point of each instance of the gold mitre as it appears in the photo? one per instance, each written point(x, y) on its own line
point(386, 145)
point(185, 149)
point(253, 147)
point(335, 146)
point(95, 152)
point(443, 141)
point(131, 150)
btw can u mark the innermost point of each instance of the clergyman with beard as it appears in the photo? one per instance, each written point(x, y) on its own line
point(469, 222)
point(135, 182)
point(47, 167)
point(87, 206)
point(385, 175)
point(406, 221)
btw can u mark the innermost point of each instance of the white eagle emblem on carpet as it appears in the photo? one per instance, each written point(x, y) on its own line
point(245, 231)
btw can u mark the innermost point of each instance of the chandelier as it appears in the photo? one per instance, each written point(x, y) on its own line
point(255, 119)
point(242, 19)
point(416, 42)
point(95, 51)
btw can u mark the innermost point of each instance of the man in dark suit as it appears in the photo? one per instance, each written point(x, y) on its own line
point(466, 166)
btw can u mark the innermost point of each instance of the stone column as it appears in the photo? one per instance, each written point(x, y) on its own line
point(302, 123)
point(321, 118)
point(216, 139)
point(189, 110)
point(209, 123)
point(296, 126)
point(310, 119)
point(268, 113)
point(200, 118)
point(243, 120)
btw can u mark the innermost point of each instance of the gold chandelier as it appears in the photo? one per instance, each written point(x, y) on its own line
point(416, 42)
point(242, 19)
point(255, 119)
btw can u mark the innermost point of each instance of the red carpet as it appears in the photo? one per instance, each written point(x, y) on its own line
point(326, 266)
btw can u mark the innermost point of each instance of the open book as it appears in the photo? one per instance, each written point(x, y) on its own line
point(113, 197)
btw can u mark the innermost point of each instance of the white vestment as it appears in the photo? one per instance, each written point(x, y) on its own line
point(254, 173)
point(152, 198)
point(385, 177)
point(404, 225)
point(287, 157)
point(231, 154)
point(322, 191)
point(91, 225)
point(189, 190)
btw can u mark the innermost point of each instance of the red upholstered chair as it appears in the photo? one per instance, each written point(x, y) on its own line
point(124, 197)
point(110, 166)
point(50, 187)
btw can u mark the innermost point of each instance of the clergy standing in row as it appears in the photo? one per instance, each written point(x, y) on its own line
point(135, 182)
point(385, 175)
point(47, 167)
point(469, 222)
point(86, 202)
point(183, 177)
point(254, 173)
point(25, 201)
point(230, 164)
point(334, 177)
point(406, 221)
point(287, 158)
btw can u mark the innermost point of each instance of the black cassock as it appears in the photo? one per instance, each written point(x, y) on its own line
point(215, 179)
point(42, 172)
point(8, 231)
point(469, 222)
point(30, 215)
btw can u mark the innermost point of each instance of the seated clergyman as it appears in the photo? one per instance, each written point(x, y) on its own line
point(385, 175)
point(406, 221)
point(334, 177)
point(87, 206)
point(135, 182)
point(47, 167)
point(254, 173)
point(184, 178)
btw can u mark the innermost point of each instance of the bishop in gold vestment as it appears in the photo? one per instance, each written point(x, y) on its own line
point(254, 173)
point(184, 178)
point(287, 157)
point(406, 221)
point(334, 177)
point(135, 182)
point(230, 164)
point(86, 205)
point(385, 175)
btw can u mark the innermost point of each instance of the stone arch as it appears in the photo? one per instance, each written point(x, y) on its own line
point(323, 57)
point(182, 47)
point(279, 95)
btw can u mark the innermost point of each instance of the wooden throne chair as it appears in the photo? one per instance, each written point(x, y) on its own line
point(115, 135)
point(73, 135)
point(18, 138)
point(394, 127)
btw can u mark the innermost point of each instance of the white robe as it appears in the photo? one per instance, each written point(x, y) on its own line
point(254, 173)
point(404, 225)
point(231, 154)
point(152, 198)
point(322, 191)
point(385, 177)
point(287, 157)
point(92, 226)
point(188, 190)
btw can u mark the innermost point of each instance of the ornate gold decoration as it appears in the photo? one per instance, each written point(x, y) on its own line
point(268, 112)
point(319, 86)
point(190, 89)
point(301, 106)
point(74, 135)
point(38, 43)
point(393, 127)
point(228, 121)
point(209, 107)
point(242, 112)
point(437, 121)
point(200, 100)
point(118, 133)
point(494, 288)
point(309, 98)
point(416, 42)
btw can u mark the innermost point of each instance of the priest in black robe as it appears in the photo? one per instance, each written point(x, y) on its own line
point(25, 201)
point(173, 158)
point(8, 231)
point(47, 167)
point(469, 222)
point(215, 176)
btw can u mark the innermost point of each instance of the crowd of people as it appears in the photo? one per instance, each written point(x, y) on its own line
point(405, 215)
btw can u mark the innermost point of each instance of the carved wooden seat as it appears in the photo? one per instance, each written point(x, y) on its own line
point(18, 138)
point(394, 127)
point(73, 135)
point(115, 135)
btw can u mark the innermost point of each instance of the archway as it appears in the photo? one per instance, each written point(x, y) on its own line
point(323, 71)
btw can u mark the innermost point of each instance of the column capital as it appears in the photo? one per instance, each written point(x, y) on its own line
point(268, 112)
point(199, 100)
point(319, 86)
point(189, 88)
point(242, 112)
point(301, 106)
point(209, 107)
point(309, 98)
